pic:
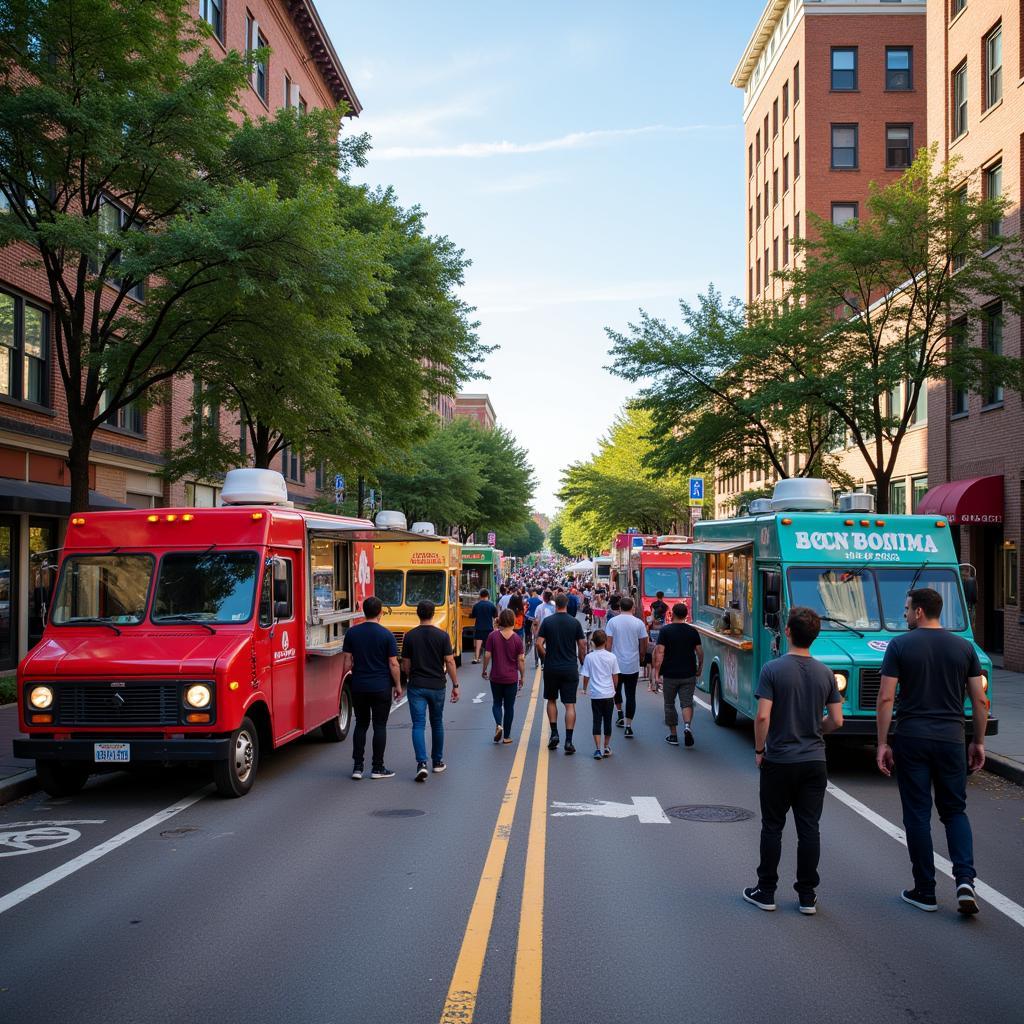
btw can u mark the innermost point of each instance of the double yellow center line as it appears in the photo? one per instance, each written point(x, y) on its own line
point(460, 1003)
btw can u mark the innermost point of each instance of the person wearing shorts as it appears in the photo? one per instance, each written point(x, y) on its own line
point(563, 648)
point(678, 662)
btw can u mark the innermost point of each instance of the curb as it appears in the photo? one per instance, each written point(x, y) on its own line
point(1005, 767)
point(17, 786)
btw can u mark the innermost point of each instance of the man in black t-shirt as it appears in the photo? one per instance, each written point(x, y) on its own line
point(677, 664)
point(427, 655)
point(934, 671)
point(484, 614)
point(562, 648)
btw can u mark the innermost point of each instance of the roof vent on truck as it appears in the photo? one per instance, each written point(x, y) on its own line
point(802, 494)
point(254, 487)
point(427, 529)
point(387, 520)
point(760, 506)
point(856, 501)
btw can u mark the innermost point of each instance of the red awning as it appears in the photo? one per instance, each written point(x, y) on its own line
point(966, 502)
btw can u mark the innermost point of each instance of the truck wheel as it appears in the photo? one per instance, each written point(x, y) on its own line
point(61, 778)
point(336, 729)
point(235, 776)
point(722, 713)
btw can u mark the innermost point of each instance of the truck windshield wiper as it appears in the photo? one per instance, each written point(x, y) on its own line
point(843, 623)
point(917, 575)
point(189, 617)
point(90, 620)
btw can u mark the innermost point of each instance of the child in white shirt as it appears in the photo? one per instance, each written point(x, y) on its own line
point(600, 676)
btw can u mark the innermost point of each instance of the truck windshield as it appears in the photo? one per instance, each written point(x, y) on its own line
point(894, 584)
point(424, 586)
point(104, 588)
point(387, 585)
point(667, 580)
point(215, 586)
point(848, 596)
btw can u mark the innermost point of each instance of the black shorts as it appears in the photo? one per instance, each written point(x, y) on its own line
point(561, 684)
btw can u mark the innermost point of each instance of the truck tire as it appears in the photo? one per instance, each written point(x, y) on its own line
point(61, 778)
point(334, 730)
point(722, 713)
point(234, 776)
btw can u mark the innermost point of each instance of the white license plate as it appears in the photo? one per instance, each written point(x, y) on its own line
point(112, 752)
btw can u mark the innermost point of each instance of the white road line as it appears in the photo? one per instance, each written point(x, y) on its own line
point(995, 899)
point(478, 699)
point(19, 895)
point(648, 811)
point(703, 703)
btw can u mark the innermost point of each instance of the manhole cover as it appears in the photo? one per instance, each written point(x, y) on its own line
point(398, 812)
point(709, 812)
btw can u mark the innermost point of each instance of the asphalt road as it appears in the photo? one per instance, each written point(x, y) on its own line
point(320, 899)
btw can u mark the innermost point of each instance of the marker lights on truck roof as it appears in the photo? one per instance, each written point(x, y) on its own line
point(847, 522)
point(787, 522)
point(939, 523)
point(78, 520)
point(879, 522)
point(257, 515)
point(865, 522)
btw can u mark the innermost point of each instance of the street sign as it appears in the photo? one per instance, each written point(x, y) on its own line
point(339, 489)
point(633, 529)
point(491, 539)
point(696, 490)
point(695, 514)
point(637, 542)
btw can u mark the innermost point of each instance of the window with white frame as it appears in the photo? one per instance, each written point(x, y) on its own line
point(24, 350)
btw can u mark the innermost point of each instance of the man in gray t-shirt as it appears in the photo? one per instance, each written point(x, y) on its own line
point(789, 748)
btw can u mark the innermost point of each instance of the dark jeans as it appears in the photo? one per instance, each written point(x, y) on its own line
point(922, 764)
point(800, 788)
point(602, 709)
point(504, 706)
point(424, 701)
point(627, 681)
point(369, 707)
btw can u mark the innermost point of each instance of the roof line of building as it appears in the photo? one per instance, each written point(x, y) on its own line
point(762, 33)
point(323, 54)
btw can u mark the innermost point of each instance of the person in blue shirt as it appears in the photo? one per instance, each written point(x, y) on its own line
point(370, 654)
point(484, 615)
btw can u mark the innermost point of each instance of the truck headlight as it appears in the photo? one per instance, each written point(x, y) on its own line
point(198, 696)
point(841, 680)
point(41, 697)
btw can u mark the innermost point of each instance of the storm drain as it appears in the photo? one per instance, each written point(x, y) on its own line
point(709, 812)
point(398, 812)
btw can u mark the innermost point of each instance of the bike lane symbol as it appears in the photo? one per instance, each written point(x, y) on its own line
point(20, 837)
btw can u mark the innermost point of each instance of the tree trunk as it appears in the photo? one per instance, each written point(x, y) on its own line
point(78, 463)
point(360, 497)
point(882, 491)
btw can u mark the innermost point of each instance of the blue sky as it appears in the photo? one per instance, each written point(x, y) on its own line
point(588, 158)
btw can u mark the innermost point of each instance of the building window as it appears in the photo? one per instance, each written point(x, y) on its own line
point(212, 12)
point(750, 284)
point(957, 343)
point(956, 7)
point(24, 350)
point(844, 68)
point(201, 495)
point(899, 74)
point(796, 225)
point(957, 254)
point(796, 159)
point(994, 66)
point(1009, 588)
point(775, 254)
point(785, 173)
point(898, 146)
point(785, 100)
point(844, 146)
point(113, 221)
point(765, 198)
point(750, 222)
point(255, 40)
point(757, 145)
point(843, 213)
point(919, 413)
point(287, 90)
point(775, 187)
point(775, 117)
point(918, 489)
point(758, 209)
point(126, 417)
point(750, 160)
point(207, 411)
point(758, 274)
point(992, 326)
point(767, 267)
point(785, 246)
point(292, 465)
point(897, 497)
point(796, 83)
point(993, 190)
point(766, 136)
point(960, 100)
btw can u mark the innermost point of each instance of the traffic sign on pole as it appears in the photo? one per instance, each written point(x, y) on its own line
point(339, 489)
point(491, 539)
point(696, 490)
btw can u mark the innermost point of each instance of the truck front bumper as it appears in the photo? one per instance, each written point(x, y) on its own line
point(199, 749)
point(868, 727)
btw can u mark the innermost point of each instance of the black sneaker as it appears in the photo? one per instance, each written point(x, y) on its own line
point(569, 748)
point(808, 903)
point(553, 742)
point(760, 898)
point(357, 771)
point(673, 739)
point(629, 732)
point(620, 721)
point(966, 898)
point(920, 900)
point(688, 737)
point(382, 773)
point(421, 771)
point(439, 767)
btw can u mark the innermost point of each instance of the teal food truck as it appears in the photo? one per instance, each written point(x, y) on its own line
point(851, 565)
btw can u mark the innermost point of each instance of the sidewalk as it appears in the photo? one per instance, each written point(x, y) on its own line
point(1006, 750)
point(17, 777)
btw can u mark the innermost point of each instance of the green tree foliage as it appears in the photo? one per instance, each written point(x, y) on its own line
point(616, 489)
point(125, 168)
point(527, 539)
point(555, 540)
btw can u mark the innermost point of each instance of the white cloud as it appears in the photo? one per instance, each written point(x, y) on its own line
point(422, 125)
point(573, 140)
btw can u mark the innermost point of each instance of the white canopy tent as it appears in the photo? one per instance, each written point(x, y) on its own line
point(584, 565)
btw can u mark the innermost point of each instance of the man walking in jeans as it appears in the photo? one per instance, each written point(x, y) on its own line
point(789, 748)
point(371, 655)
point(934, 670)
point(427, 655)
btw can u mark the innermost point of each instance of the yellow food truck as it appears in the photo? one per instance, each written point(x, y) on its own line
point(409, 571)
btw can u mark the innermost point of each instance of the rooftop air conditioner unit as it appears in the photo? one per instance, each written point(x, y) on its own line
point(802, 494)
point(254, 487)
point(857, 501)
point(427, 529)
point(760, 506)
point(390, 520)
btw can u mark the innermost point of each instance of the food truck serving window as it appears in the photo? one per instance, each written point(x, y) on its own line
point(111, 588)
point(387, 585)
point(475, 579)
point(424, 586)
point(727, 580)
point(215, 586)
point(330, 574)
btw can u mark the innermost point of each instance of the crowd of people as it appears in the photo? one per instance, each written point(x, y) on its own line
point(585, 635)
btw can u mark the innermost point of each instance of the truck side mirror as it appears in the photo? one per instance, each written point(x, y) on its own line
point(773, 585)
point(771, 604)
point(771, 621)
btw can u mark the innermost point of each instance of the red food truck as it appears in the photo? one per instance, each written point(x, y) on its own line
point(654, 567)
point(195, 634)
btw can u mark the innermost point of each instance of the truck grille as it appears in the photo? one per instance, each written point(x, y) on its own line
point(133, 704)
point(399, 639)
point(870, 683)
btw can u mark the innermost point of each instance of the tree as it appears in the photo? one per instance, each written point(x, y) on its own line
point(555, 537)
point(615, 489)
point(526, 539)
point(127, 177)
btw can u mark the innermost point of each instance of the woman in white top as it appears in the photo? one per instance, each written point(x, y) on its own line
point(600, 676)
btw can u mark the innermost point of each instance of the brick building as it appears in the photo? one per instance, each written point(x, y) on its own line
point(976, 112)
point(476, 407)
point(304, 71)
point(834, 98)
